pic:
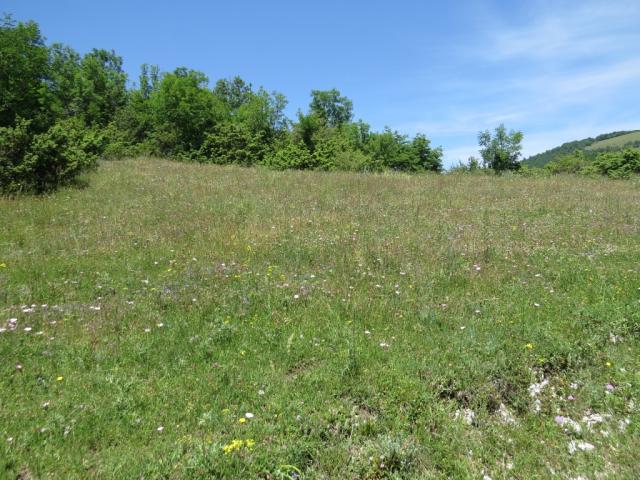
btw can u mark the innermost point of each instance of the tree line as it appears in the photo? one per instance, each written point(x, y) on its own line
point(60, 111)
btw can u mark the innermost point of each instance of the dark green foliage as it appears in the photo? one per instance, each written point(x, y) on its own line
point(170, 114)
point(500, 151)
point(100, 87)
point(44, 161)
point(229, 143)
point(614, 164)
point(183, 110)
point(291, 155)
point(618, 164)
point(23, 69)
point(14, 142)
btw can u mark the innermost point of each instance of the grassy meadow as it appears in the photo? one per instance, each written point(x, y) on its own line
point(174, 320)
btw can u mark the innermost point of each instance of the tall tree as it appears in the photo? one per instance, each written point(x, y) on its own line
point(331, 107)
point(102, 86)
point(23, 69)
point(501, 151)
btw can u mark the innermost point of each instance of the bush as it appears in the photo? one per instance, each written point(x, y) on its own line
point(618, 164)
point(291, 155)
point(573, 163)
point(14, 142)
point(44, 161)
point(232, 143)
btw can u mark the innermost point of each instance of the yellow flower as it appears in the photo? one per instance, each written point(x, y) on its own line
point(3, 265)
point(242, 420)
point(225, 410)
point(233, 446)
point(249, 443)
point(608, 364)
point(60, 378)
point(529, 346)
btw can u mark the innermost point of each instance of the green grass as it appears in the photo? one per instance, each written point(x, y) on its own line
point(362, 319)
point(616, 142)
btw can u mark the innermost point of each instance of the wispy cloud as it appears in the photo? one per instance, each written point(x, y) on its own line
point(567, 71)
point(564, 32)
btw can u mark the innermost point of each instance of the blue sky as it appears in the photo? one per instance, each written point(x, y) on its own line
point(557, 70)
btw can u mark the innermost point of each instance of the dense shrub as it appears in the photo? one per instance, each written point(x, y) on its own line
point(621, 164)
point(291, 155)
point(14, 142)
point(233, 143)
point(42, 162)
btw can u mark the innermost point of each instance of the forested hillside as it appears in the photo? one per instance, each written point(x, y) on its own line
point(591, 146)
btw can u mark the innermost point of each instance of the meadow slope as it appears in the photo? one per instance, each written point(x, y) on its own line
point(177, 320)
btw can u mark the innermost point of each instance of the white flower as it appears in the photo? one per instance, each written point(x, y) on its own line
point(160, 429)
point(248, 415)
point(260, 392)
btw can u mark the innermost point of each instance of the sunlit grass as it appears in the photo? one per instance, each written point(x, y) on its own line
point(176, 320)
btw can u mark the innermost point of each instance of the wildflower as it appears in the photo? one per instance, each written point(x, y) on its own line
point(147, 330)
point(60, 378)
point(609, 387)
point(3, 265)
point(260, 392)
point(536, 305)
point(160, 429)
point(608, 364)
point(226, 410)
point(529, 346)
point(248, 415)
point(242, 420)
point(234, 445)
point(27, 329)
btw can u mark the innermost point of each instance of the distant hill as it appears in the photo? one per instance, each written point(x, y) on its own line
point(605, 142)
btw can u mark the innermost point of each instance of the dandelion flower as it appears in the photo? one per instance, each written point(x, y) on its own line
point(60, 378)
point(242, 420)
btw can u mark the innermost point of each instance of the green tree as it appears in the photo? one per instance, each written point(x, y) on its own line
point(501, 151)
point(101, 88)
point(183, 110)
point(24, 65)
point(425, 158)
point(331, 107)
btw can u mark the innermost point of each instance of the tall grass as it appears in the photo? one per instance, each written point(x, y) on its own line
point(187, 321)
